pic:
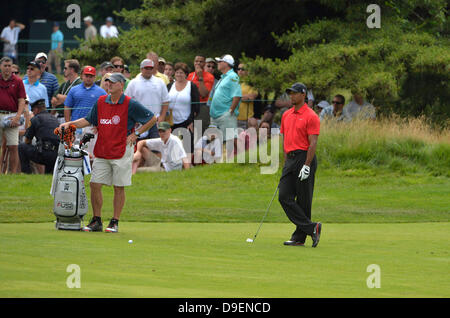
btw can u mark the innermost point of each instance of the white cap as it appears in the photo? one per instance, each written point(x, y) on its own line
point(227, 58)
point(146, 63)
point(41, 54)
point(88, 19)
point(323, 104)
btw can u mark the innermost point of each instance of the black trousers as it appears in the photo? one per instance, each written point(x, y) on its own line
point(29, 153)
point(296, 196)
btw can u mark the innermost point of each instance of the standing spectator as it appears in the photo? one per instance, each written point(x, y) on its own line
point(105, 67)
point(119, 67)
point(173, 156)
point(151, 92)
point(225, 101)
point(47, 79)
point(12, 105)
point(10, 37)
point(169, 72)
point(56, 49)
point(246, 117)
point(154, 57)
point(210, 66)
point(205, 82)
point(184, 102)
point(114, 149)
point(358, 108)
point(108, 30)
point(300, 127)
point(126, 72)
point(161, 64)
point(90, 32)
point(35, 90)
point(16, 70)
point(71, 71)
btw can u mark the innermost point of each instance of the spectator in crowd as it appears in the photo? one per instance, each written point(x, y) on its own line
point(34, 89)
point(56, 49)
point(151, 92)
point(45, 150)
point(105, 67)
point(358, 108)
point(108, 30)
point(211, 66)
point(161, 64)
point(154, 57)
point(184, 102)
point(114, 151)
point(205, 82)
point(12, 105)
point(323, 104)
point(90, 32)
point(246, 117)
point(335, 110)
point(119, 67)
point(208, 149)
point(225, 101)
point(104, 83)
point(71, 71)
point(126, 72)
point(47, 79)
point(16, 70)
point(169, 72)
point(10, 37)
point(173, 156)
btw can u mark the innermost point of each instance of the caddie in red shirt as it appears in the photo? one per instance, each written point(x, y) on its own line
point(115, 117)
point(300, 127)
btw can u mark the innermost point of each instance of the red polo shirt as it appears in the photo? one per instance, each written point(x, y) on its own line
point(296, 126)
point(208, 80)
point(10, 92)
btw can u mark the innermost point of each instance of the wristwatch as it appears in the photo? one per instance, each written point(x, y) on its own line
point(137, 133)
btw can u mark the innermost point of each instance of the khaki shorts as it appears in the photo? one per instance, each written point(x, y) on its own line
point(115, 172)
point(225, 121)
point(11, 134)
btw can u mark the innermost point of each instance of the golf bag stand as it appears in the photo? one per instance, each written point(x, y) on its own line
point(70, 200)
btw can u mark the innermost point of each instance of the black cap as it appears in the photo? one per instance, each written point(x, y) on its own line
point(35, 64)
point(297, 88)
point(105, 65)
point(38, 103)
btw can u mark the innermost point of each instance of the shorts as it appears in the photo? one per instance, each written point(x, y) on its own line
point(225, 121)
point(11, 134)
point(116, 172)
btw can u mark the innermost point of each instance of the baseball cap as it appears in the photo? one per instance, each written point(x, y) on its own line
point(35, 64)
point(210, 59)
point(161, 59)
point(89, 70)
point(146, 63)
point(56, 24)
point(88, 19)
point(297, 88)
point(323, 104)
point(164, 125)
point(227, 58)
point(109, 19)
point(105, 65)
point(38, 103)
point(117, 77)
point(40, 55)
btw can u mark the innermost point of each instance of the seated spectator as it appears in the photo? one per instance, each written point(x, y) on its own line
point(173, 156)
point(246, 115)
point(358, 108)
point(321, 106)
point(334, 111)
point(34, 89)
point(208, 149)
point(184, 101)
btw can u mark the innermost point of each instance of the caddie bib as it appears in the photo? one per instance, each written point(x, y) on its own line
point(112, 122)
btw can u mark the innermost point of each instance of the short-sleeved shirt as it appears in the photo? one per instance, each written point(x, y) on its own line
point(225, 90)
point(56, 38)
point(297, 125)
point(64, 89)
point(81, 99)
point(246, 109)
point(12, 35)
point(10, 92)
point(172, 152)
point(208, 80)
point(137, 113)
point(35, 91)
point(354, 110)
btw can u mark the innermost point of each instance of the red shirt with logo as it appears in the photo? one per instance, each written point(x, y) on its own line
point(297, 125)
point(10, 92)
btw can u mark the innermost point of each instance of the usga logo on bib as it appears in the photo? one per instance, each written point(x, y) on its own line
point(114, 121)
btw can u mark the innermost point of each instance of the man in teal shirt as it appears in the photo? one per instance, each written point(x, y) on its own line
point(226, 99)
point(54, 56)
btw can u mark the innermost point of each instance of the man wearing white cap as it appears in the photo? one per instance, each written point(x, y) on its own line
point(151, 92)
point(226, 99)
point(91, 31)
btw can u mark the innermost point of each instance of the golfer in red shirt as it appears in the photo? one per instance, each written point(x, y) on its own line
point(300, 127)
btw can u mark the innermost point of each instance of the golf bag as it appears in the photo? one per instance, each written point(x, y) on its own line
point(68, 188)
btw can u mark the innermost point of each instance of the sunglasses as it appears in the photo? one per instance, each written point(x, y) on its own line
point(241, 69)
point(148, 68)
point(31, 68)
point(15, 73)
point(336, 102)
point(119, 66)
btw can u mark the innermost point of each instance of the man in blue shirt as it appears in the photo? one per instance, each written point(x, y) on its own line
point(54, 56)
point(35, 90)
point(226, 99)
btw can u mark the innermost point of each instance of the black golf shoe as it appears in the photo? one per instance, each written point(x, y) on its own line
point(316, 234)
point(293, 243)
point(113, 226)
point(94, 226)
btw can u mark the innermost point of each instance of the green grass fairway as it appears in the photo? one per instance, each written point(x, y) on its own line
point(214, 260)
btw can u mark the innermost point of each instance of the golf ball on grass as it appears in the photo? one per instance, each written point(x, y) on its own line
point(249, 240)
point(130, 241)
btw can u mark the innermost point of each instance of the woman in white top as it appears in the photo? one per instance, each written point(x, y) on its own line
point(184, 101)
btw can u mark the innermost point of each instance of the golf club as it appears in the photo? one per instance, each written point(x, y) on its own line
point(249, 240)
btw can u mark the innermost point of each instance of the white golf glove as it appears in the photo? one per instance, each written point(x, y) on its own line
point(304, 173)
